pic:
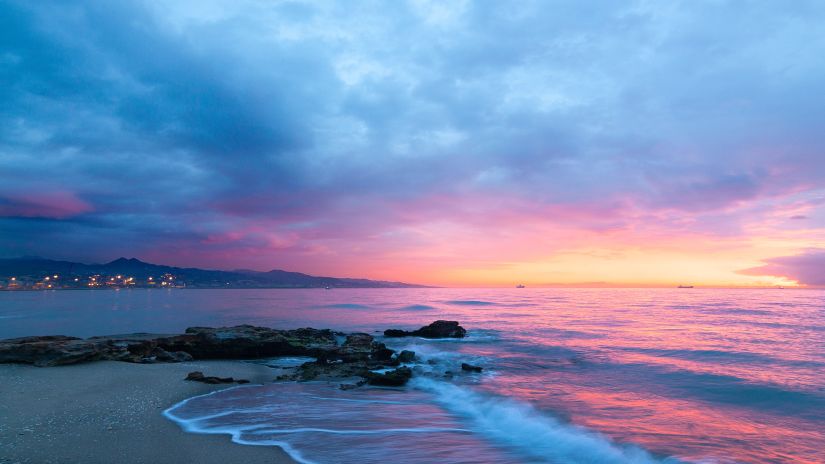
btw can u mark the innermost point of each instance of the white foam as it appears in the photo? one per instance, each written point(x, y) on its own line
point(520, 426)
point(509, 424)
point(192, 426)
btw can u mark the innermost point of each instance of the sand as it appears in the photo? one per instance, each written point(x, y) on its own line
point(110, 412)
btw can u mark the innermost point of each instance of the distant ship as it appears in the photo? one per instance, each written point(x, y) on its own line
point(685, 286)
point(327, 287)
point(520, 286)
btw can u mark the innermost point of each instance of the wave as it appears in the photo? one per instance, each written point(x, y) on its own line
point(470, 303)
point(282, 361)
point(418, 307)
point(531, 433)
point(319, 423)
point(459, 425)
point(345, 306)
point(716, 388)
point(720, 356)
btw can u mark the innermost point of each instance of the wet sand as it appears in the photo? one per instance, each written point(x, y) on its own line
point(108, 411)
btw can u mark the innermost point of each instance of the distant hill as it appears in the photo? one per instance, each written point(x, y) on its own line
point(31, 272)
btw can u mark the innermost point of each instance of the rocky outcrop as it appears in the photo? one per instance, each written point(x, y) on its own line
point(357, 357)
point(249, 342)
point(239, 342)
point(52, 350)
point(360, 359)
point(438, 329)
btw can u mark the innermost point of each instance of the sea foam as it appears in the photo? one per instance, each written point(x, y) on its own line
point(431, 421)
point(530, 432)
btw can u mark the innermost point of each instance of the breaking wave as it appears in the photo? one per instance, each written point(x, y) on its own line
point(459, 425)
point(530, 432)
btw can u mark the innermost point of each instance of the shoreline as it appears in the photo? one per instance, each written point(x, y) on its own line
point(112, 411)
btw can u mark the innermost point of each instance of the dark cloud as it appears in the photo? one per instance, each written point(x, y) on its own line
point(213, 125)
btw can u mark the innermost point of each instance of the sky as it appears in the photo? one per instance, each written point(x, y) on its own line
point(437, 142)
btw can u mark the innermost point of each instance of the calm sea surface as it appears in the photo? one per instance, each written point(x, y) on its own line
point(570, 375)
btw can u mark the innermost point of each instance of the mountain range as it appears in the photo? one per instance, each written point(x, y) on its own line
point(29, 271)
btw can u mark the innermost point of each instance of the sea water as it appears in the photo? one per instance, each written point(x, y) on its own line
point(570, 375)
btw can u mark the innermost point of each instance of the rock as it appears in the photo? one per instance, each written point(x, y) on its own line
point(380, 352)
point(357, 347)
point(197, 376)
point(441, 329)
point(394, 378)
point(324, 370)
point(240, 342)
point(247, 342)
point(175, 357)
point(358, 341)
point(350, 386)
point(53, 350)
point(471, 368)
point(438, 329)
point(395, 333)
point(406, 356)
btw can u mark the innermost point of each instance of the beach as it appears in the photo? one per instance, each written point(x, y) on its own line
point(109, 411)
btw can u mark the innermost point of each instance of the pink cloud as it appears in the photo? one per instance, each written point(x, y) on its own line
point(807, 268)
point(52, 205)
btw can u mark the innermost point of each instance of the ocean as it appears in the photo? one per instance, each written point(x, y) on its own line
point(570, 375)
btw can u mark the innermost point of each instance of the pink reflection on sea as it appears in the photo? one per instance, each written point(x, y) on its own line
point(724, 375)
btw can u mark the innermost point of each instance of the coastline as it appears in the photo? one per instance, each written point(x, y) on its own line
point(110, 411)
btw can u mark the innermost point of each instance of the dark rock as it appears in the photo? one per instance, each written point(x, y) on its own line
point(441, 329)
point(358, 341)
point(350, 386)
point(54, 350)
point(240, 342)
point(246, 341)
point(471, 368)
point(380, 352)
point(197, 376)
point(321, 370)
point(175, 357)
point(356, 348)
point(395, 333)
point(406, 356)
point(394, 378)
point(438, 329)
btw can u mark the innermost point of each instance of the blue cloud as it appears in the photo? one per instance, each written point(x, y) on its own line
point(176, 122)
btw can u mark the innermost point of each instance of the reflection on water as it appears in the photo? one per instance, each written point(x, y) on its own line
point(702, 375)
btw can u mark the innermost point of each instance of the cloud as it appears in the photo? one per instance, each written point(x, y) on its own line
point(53, 205)
point(805, 268)
point(264, 133)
